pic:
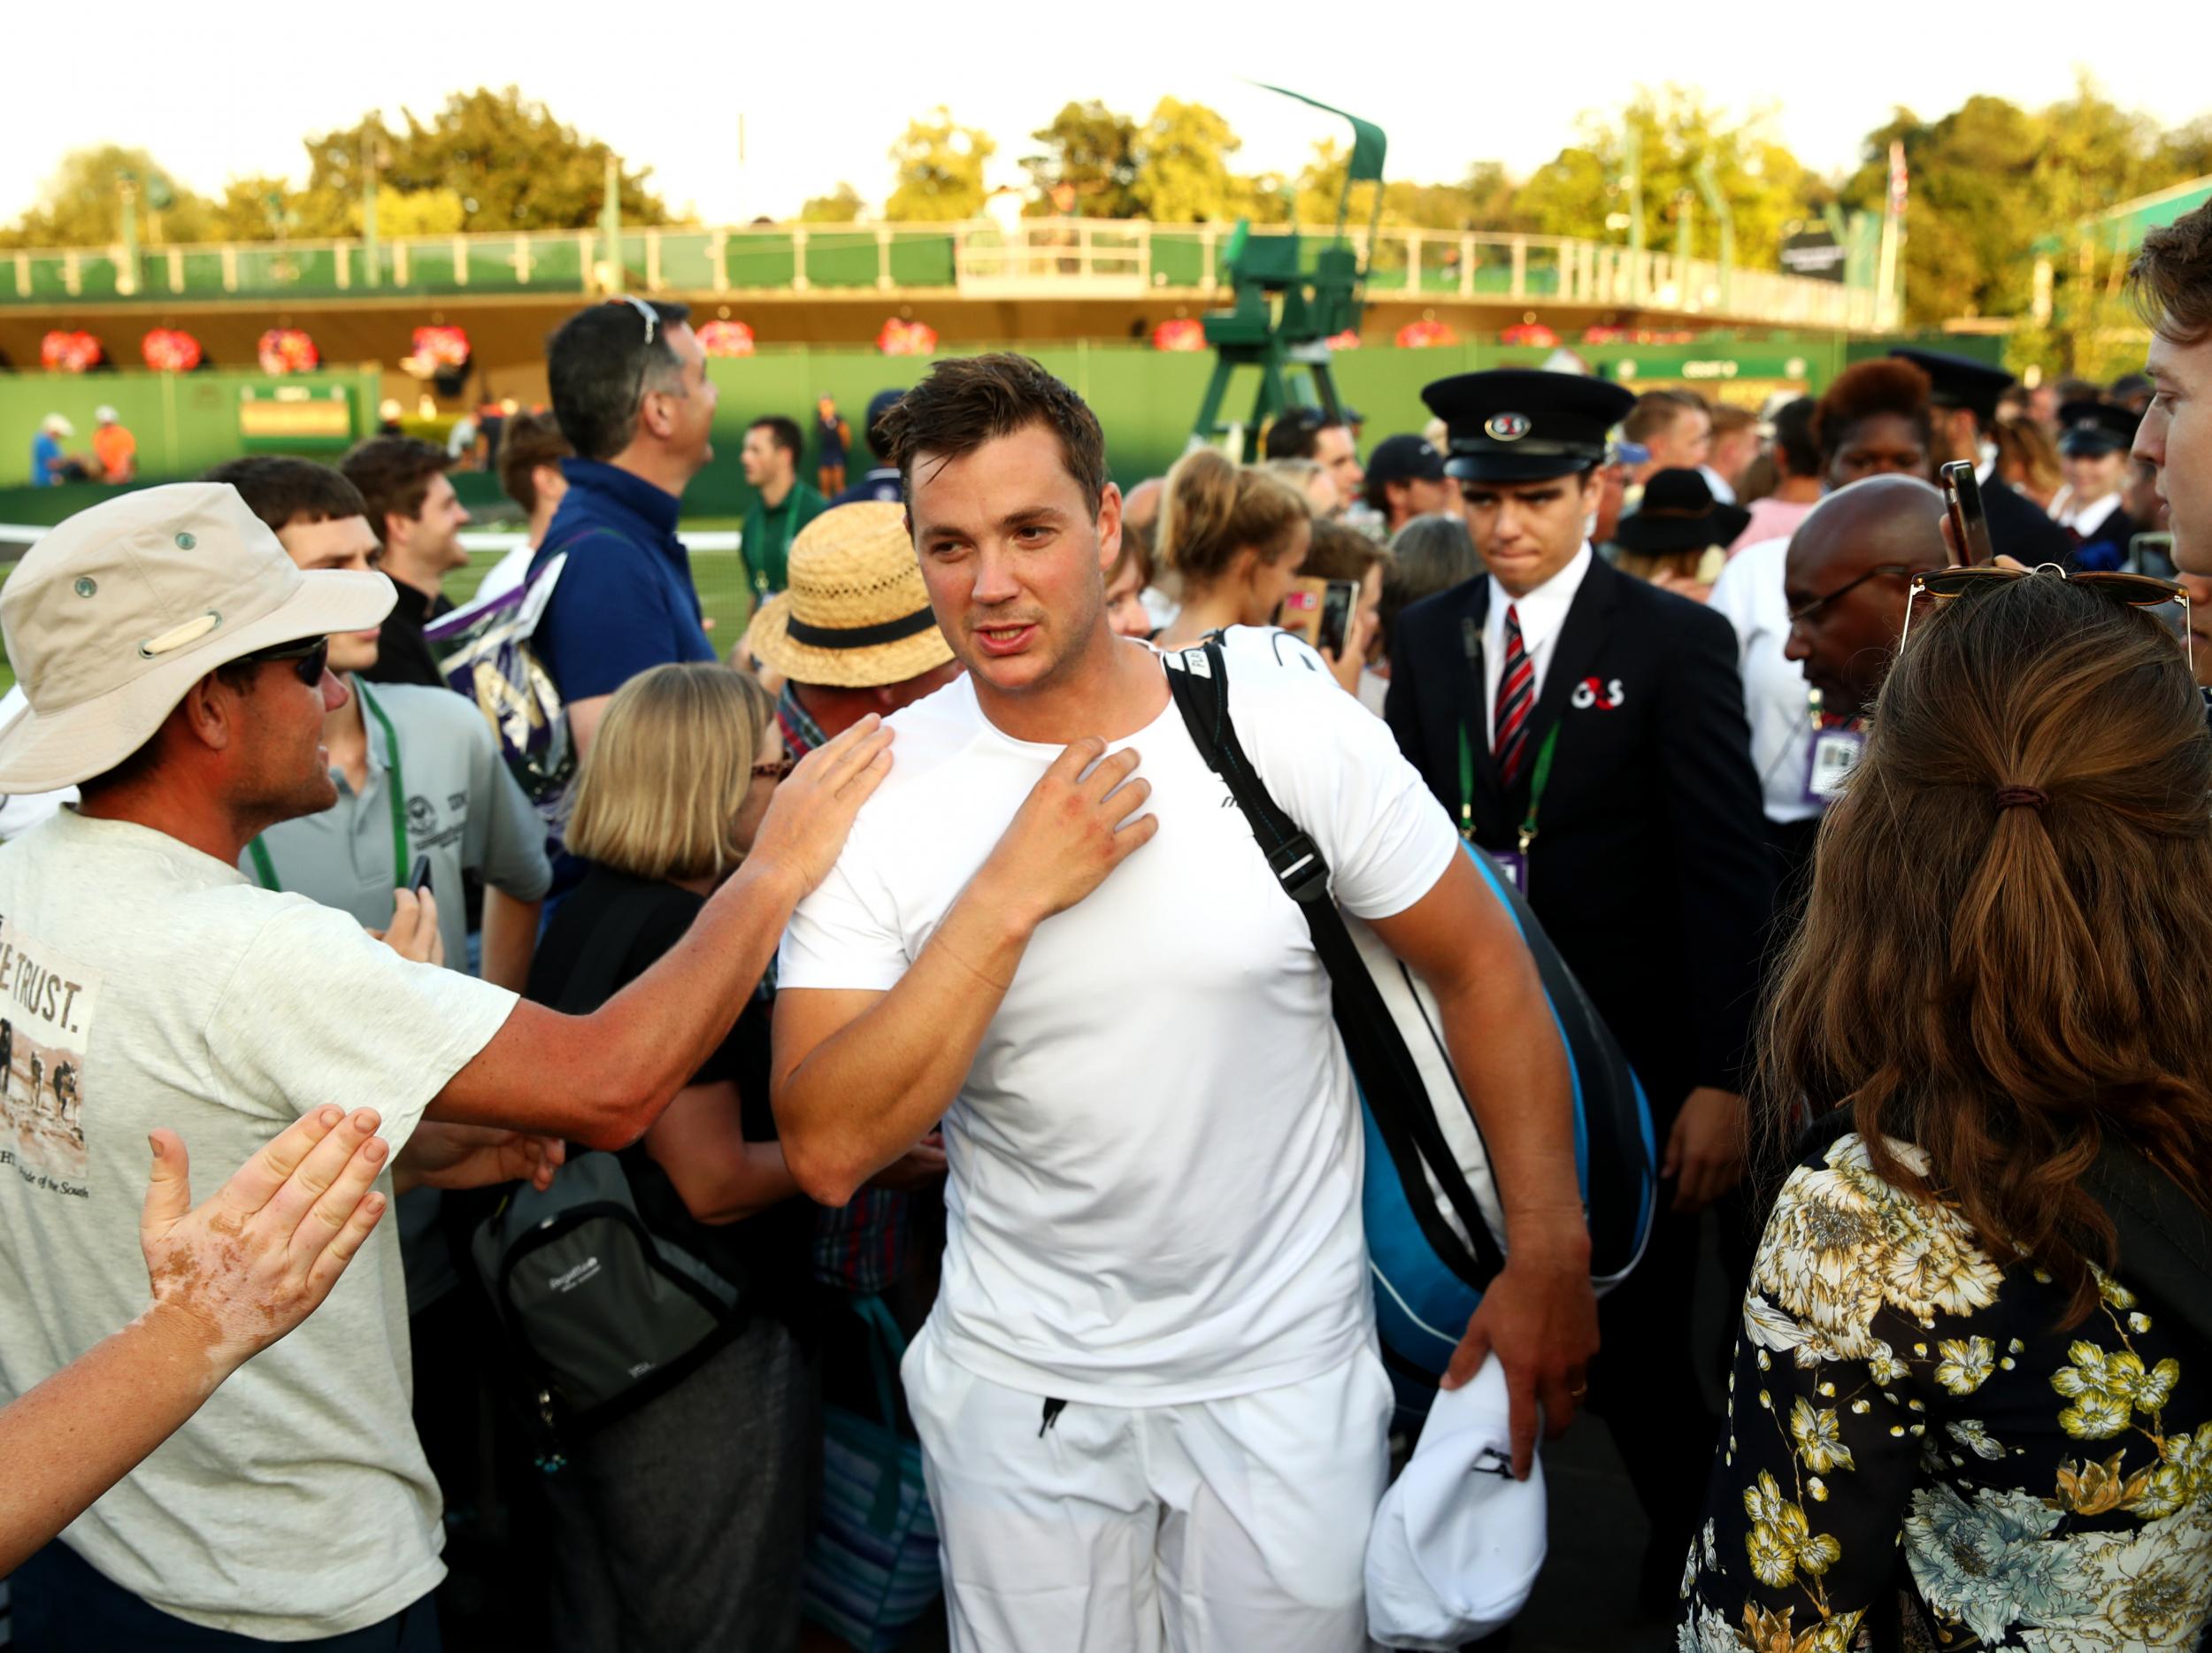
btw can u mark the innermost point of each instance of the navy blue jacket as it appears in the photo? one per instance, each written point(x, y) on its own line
point(626, 601)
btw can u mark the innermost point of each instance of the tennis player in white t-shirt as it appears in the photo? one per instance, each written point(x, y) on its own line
point(1150, 1405)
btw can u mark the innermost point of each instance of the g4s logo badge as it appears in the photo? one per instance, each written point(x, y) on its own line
point(1593, 691)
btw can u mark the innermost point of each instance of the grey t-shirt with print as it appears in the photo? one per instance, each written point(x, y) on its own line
point(144, 984)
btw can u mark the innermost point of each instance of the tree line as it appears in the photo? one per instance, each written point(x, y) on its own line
point(1988, 180)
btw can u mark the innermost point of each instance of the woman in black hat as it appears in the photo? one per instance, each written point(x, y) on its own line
point(1678, 537)
point(2092, 444)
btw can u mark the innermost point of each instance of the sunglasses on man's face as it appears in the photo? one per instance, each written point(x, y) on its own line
point(2135, 591)
point(1814, 606)
point(308, 657)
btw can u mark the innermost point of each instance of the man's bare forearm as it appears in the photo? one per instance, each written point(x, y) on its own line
point(616, 1068)
point(1498, 1028)
point(83, 1429)
point(510, 939)
point(855, 1101)
point(1500, 1031)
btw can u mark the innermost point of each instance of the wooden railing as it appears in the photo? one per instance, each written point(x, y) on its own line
point(1040, 258)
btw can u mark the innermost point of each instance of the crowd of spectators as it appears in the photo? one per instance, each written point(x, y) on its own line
point(290, 900)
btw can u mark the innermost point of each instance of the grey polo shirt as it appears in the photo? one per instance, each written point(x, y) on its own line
point(463, 810)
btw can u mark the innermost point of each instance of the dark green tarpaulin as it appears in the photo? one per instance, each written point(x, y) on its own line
point(1368, 141)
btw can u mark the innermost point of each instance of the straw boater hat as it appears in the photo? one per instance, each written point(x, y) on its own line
point(111, 617)
point(856, 614)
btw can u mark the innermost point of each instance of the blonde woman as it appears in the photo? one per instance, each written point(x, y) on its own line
point(704, 1484)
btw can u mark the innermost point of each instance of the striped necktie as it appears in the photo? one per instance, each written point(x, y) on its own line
point(1516, 697)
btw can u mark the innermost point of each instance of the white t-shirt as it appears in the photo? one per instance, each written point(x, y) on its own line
point(1749, 592)
point(1156, 1159)
point(20, 812)
point(144, 984)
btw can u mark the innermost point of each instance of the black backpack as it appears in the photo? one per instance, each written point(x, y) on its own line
point(600, 1314)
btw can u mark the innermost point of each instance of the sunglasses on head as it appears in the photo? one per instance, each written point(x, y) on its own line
point(309, 657)
point(2135, 591)
point(652, 330)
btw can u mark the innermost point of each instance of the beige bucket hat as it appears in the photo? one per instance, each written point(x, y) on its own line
point(110, 618)
point(856, 614)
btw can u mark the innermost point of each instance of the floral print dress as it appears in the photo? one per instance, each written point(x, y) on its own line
point(1909, 1436)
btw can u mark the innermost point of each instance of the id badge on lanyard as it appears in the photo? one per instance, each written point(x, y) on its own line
point(1512, 863)
point(1829, 757)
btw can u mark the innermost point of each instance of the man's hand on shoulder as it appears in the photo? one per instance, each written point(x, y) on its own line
point(806, 827)
point(1072, 830)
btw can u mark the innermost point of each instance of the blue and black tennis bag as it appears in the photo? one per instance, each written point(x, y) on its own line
point(1435, 1230)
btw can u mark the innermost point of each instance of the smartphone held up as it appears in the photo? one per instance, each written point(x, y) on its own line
point(1319, 612)
point(1970, 521)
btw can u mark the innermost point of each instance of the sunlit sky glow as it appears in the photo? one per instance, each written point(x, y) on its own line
point(234, 93)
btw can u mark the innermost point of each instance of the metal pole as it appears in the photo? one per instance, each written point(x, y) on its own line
point(126, 183)
point(610, 225)
point(1708, 181)
point(371, 256)
point(1632, 178)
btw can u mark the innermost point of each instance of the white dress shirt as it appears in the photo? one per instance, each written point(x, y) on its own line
point(2086, 519)
point(1541, 612)
point(1749, 593)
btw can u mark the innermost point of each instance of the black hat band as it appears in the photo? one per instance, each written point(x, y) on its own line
point(1539, 449)
point(860, 636)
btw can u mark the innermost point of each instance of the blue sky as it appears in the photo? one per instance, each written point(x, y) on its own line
point(1451, 83)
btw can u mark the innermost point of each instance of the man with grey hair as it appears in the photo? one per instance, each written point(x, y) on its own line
point(630, 389)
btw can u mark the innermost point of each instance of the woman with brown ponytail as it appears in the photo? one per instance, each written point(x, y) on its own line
point(1958, 1418)
point(1234, 536)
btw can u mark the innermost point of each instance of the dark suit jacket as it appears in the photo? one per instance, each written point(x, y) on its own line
point(403, 653)
point(1648, 868)
point(2021, 528)
point(2106, 549)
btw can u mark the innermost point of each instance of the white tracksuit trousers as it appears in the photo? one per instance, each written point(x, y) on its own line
point(1235, 1525)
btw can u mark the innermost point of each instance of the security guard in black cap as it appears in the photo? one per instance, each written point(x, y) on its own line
point(1588, 730)
point(2094, 440)
point(1963, 393)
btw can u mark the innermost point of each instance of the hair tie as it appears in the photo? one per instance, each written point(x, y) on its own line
point(2013, 797)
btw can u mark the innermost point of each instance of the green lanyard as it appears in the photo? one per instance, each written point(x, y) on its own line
point(265, 869)
point(777, 521)
point(1536, 784)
